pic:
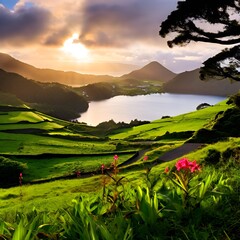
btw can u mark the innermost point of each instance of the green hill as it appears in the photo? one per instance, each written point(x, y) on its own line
point(190, 83)
point(11, 64)
point(136, 190)
point(54, 99)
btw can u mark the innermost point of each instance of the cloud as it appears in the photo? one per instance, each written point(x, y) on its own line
point(100, 23)
point(122, 23)
point(23, 25)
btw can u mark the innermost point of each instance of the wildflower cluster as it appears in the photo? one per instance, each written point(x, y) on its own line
point(183, 175)
point(186, 165)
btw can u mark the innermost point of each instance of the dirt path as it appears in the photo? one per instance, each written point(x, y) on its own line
point(179, 152)
point(168, 156)
point(134, 158)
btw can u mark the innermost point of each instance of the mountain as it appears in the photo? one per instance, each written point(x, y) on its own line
point(152, 71)
point(51, 98)
point(11, 64)
point(190, 83)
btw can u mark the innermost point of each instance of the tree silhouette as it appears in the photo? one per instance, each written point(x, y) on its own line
point(212, 21)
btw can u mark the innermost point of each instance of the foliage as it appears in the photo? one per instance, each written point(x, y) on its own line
point(204, 135)
point(203, 105)
point(110, 125)
point(122, 205)
point(121, 86)
point(51, 98)
point(213, 156)
point(234, 99)
point(197, 21)
point(9, 171)
point(176, 205)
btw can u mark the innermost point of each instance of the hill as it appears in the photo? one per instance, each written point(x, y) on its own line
point(54, 99)
point(11, 64)
point(152, 71)
point(190, 83)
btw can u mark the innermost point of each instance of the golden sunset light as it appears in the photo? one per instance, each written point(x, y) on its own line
point(113, 36)
point(119, 119)
point(76, 49)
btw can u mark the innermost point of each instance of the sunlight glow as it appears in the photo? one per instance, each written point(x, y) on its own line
point(74, 48)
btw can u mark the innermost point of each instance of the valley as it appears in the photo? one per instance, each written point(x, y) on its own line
point(61, 174)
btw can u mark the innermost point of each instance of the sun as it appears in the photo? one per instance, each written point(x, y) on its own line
point(74, 48)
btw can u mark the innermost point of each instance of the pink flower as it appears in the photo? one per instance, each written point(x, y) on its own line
point(194, 166)
point(20, 175)
point(115, 157)
point(145, 158)
point(102, 168)
point(185, 164)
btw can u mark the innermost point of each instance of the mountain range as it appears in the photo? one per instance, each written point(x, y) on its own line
point(189, 83)
point(11, 64)
point(185, 82)
point(152, 71)
point(51, 98)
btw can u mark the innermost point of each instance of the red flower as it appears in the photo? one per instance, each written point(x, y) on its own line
point(166, 170)
point(145, 158)
point(185, 164)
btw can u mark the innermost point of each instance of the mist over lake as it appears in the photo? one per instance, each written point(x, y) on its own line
point(143, 107)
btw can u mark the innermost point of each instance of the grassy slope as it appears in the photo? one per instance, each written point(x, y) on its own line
point(185, 122)
point(58, 193)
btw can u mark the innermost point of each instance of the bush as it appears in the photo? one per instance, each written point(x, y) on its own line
point(9, 171)
point(204, 135)
point(213, 156)
point(231, 154)
point(202, 106)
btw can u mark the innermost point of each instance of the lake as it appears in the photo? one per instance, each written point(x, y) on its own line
point(143, 107)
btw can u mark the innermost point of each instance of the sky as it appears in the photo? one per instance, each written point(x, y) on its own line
point(97, 36)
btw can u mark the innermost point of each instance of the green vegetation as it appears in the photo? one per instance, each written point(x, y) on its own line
point(181, 24)
point(9, 171)
point(54, 99)
point(130, 87)
point(138, 195)
point(186, 122)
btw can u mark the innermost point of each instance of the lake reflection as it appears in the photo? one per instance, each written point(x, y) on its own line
point(143, 107)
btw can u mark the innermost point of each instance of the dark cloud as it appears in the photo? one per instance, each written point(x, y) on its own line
point(124, 22)
point(23, 25)
point(57, 38)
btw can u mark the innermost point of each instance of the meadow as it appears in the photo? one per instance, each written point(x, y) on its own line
point(145, 198)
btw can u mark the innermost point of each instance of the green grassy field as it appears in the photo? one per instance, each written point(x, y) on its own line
point(186, 122)
point(53, 148)
point(53, 166)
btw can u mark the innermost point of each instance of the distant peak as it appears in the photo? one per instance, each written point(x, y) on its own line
point(154, 62)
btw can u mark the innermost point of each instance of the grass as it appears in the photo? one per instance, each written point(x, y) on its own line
point(53, 195)
point(32, 144)
point(185, 122)
point(47, 196)
point(65, 139)
point(60, 166)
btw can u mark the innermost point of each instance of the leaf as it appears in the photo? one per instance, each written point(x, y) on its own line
point(180, 182)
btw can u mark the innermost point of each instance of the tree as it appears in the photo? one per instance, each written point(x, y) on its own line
point(212, 21)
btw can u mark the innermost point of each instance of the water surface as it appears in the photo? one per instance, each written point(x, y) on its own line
point(143, 107)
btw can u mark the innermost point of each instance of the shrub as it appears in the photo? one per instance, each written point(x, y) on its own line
point(204, 135)
point(203, 105)
point(213, 156)
point(231, 154)
point(9, 171)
